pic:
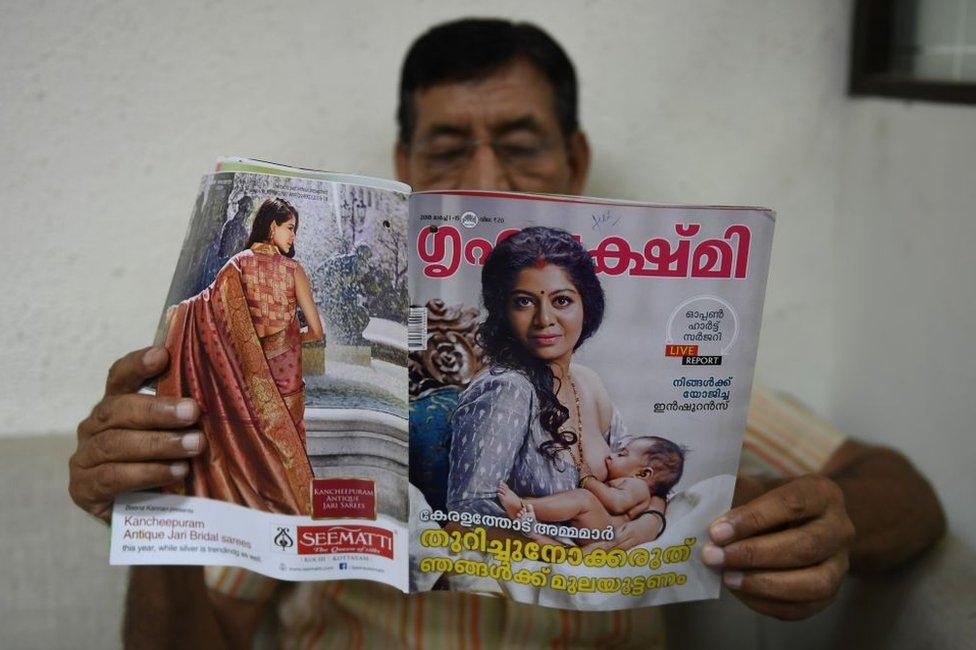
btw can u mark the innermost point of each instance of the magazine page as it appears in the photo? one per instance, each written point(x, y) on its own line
point(579, 372)
point(286, 322)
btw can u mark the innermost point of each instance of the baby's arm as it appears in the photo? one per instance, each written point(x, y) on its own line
point(650, 503)
point(619, 495)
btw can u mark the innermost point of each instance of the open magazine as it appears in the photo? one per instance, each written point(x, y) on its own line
point(537, 396)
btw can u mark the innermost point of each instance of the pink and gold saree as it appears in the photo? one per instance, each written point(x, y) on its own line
point(249, 388)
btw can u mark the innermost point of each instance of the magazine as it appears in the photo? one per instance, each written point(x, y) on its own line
point(563, 380)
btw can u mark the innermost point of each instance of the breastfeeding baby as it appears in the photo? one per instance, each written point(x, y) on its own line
point(639, 477)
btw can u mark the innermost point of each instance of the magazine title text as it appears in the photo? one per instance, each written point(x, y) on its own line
point(442, 250)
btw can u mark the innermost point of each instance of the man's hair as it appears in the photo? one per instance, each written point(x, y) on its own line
point(471, 48)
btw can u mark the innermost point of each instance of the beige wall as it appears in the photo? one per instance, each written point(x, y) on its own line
point(905, 316)
point(112, 111)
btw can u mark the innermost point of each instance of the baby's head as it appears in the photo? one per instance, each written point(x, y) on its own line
point(658, 461)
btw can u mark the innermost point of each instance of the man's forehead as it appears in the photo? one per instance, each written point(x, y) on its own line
point(514, 93)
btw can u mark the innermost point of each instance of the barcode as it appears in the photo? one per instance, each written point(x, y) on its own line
point(417, 329)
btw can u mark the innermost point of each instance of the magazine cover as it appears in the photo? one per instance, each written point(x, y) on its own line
point(286, 322)
point(579, 376)
point(565, 384)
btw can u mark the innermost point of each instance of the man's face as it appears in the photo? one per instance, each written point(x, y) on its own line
point(496, 133)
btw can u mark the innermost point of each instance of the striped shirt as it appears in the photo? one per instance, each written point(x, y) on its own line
point(782, 439)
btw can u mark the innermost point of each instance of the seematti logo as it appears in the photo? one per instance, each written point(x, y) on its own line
point(369, 540)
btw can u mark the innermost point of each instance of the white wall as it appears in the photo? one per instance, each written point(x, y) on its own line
point(111, 111)
point(905, 316)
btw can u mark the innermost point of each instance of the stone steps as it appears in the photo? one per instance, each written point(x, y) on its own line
point(345, 443)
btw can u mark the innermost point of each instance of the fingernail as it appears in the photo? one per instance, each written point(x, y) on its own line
point(191, 441)
point(713, 555)
point(721, 532)
point(186, 409)
point(153, 356)
point(732, 579)
point(178, 470)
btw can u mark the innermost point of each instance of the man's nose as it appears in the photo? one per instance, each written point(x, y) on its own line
point(484, 170)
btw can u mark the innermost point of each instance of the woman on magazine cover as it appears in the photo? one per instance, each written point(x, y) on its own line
point(236, 348)
point(533, 418)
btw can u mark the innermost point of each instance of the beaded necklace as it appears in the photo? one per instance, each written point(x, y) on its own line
point(580, 459)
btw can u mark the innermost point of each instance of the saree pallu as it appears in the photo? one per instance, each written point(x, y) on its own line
point(252, 398)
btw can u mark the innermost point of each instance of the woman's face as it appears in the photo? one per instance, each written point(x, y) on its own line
point(283, 235)
point(545, 312)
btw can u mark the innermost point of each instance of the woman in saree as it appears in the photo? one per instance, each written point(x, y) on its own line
point(533, 418)
point(236, 348)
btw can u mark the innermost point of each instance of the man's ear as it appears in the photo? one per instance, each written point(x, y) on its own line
point(401, 161)
point(579, 161)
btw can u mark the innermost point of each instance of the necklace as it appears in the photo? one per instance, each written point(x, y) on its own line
point(580, 459)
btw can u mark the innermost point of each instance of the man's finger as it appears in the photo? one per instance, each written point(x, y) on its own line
point(798, 500)
point(136, 411)
point(94, 490)
point(809, 584)
point(112, 479)
point(129, 373)
point(805, 545)
point(120, 446)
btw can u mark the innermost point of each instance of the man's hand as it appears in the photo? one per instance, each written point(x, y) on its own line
point(125, 444)
point(784, 553)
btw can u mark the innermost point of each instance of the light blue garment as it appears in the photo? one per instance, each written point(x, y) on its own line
point(496, 435)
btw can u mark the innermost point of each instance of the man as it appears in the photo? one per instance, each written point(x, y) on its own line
point(491, 105)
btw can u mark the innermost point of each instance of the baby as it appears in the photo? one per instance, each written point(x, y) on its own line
point(639, 477)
